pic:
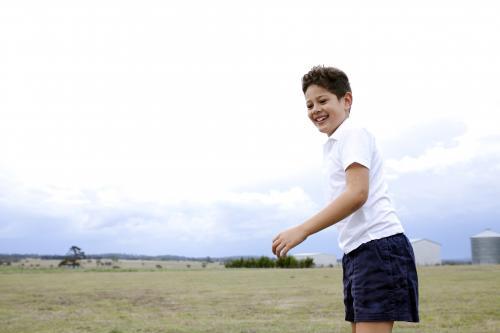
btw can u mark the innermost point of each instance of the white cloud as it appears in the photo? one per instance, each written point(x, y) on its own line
point(163, 101)
point(475, 143)
point(436, 158)
point(149, 119)
point(132, 224)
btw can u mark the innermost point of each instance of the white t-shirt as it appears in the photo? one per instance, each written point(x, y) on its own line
point(376, 218)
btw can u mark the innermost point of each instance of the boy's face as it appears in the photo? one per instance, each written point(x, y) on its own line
point(325, 110)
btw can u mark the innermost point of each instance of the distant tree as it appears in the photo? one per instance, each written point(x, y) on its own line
point(73, 257)
point(287, 262)
point(250, 263)
point(266, 262)
point(237, 263)
point(306, 263)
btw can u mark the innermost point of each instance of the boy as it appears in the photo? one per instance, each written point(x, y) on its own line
point(380, 278)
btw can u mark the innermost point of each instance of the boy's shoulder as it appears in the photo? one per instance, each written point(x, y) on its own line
point(350, 129)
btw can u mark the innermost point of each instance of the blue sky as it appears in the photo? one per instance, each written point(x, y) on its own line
point(154, 128)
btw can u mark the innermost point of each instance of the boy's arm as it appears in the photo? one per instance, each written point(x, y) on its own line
point(353, 198)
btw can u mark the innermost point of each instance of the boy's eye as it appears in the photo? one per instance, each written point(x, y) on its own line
point(323, 101)
point(309, 106)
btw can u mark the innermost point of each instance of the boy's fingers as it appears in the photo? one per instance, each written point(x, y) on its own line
point(275, 246)
point(279, 249)
point(276, 241)
point(284, 251)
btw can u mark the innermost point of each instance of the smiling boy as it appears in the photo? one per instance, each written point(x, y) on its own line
point(380, 278)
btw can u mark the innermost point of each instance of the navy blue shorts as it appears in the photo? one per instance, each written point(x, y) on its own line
point(380, 281)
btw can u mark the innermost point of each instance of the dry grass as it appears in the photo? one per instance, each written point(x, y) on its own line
point(34, 263)
point(453, 299)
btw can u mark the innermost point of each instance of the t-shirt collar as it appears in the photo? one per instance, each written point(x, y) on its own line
point(338, 132)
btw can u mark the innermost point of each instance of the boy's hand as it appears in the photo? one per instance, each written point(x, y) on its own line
point(287, 240)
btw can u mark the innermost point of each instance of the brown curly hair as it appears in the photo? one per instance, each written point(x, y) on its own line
point(330, 78)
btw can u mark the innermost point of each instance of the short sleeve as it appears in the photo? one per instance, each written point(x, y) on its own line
point(357, 147)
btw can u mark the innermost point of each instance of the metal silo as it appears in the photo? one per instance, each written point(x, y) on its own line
point(485, 247)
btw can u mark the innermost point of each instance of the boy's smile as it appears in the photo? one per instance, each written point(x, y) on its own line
point(325, 110)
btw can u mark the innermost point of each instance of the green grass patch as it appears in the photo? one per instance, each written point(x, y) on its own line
point(452, 299)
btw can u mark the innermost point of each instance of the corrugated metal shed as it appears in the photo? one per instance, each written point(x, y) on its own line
point(485, 247)
point(427, 252)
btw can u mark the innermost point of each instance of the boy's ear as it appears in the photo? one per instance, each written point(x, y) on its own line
point(348, 100)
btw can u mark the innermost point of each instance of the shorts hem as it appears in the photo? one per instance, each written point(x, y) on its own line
point(381, 317)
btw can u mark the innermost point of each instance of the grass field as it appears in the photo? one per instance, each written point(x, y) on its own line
point(42, 300)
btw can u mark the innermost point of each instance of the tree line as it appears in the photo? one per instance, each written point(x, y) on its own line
point(266, 262)
point(17, 257)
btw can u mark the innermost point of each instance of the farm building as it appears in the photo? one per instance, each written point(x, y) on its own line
point(320, 259)
point(426, 251)
point(485, 247)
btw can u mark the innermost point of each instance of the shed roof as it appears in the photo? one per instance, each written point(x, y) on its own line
point(313, 254)
point(486, 233)
point(415, 240)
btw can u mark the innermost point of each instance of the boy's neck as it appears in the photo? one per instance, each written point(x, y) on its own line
point(343, 121)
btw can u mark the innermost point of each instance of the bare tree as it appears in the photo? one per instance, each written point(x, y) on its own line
point(73, 257)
